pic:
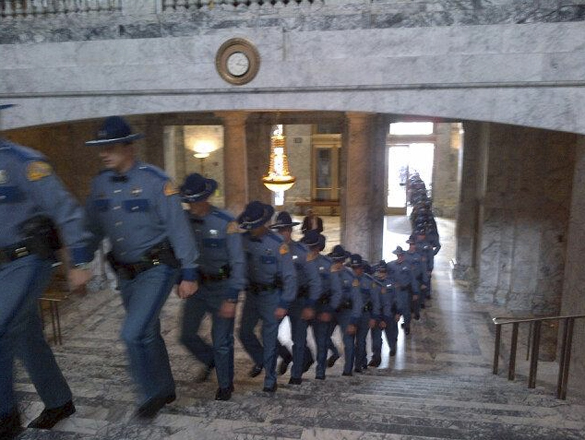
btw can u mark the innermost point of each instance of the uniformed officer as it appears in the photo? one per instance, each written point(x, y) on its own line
point(32, 201)
point(418, 264)
point(221, 278)
point(272, 287)
point(302, 309)
point(348, 306)
point(139, 209)
point(400, 273)
point(388, 321)
point(371, 309)
point(330, 286)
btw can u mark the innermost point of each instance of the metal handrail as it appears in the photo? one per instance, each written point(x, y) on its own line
point(534, 346)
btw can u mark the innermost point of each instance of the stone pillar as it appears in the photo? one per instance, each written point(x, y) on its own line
point(378, 176)
point(357, 194)
point(258, 145)
point(574, 279)
point(235, 161)
point(472, 171)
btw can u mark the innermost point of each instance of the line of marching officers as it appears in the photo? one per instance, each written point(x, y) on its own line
point(207, 253)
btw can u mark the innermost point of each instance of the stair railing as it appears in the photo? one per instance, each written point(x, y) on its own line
point(533, 347)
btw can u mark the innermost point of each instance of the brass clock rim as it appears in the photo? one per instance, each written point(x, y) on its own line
point(229, 48)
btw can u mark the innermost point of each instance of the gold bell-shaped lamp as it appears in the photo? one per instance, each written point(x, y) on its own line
point(278, 177)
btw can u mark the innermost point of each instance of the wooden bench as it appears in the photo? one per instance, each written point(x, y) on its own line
point(332, 205)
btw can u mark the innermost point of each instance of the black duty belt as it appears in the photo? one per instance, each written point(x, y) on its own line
point(129, 271)
point(256, 288)
point(368, 307)
point(324, 298)
point(209, 278)
point(347, 304)
point(303, 292)
point(14, 252)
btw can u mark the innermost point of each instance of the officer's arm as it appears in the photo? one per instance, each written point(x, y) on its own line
point(312, 273)
point(376, 294)
point(237, 261)
point(414, 283)
point(92, 222)
point(336, 291)
point(357, 304)
point(436, 247)
point(178, 229)
point(45, 188)
point(289, 277)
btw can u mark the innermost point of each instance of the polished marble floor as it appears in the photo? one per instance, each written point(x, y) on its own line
point(439, 385)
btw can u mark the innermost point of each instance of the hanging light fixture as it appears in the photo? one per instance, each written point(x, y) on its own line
point(278, 177)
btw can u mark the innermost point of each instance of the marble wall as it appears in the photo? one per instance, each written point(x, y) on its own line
point(525, 219)
point(445, 170)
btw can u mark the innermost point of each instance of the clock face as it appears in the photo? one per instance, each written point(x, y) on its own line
point(237, 61)
point(238, 64)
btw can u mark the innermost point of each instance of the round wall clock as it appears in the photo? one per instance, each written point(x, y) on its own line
point(237, 61)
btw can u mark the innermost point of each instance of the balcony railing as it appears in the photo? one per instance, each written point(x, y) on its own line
point(34, 8)
point(534, 345)
point(15, 9)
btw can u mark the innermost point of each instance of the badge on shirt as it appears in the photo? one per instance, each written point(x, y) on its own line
point(38, 170)
point(3, 177)
point(283, 249)
point(355, 283)
point(213, 232)
point(170, 189)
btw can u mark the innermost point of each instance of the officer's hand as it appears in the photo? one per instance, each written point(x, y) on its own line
point(227, 310)
point(382, 325)
point(372, 323)
point(308, 313)
point(187, 288)
point(325, 317)
point(280, 313)
point(423, 287)
point(414, 297)
point(351, 329)
point(78, 278)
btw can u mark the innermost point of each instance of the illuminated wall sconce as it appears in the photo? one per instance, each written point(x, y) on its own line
point(278, 177)
point(201, 150)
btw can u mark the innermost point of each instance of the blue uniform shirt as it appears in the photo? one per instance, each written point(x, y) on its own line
point(401, 274)
point(269, 258)
point(370, 289)
point(307, 272)
point(350, 292)
point(220, 245)
point(388, 300)
point(330, 282)
point(418, 264)
point(29, 187)
point(139, 211)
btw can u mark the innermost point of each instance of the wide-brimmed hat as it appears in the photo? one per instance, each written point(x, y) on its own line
point(381, 266)
point(356, 260)
point(197, 188)
point(398, 251)
point(338, 253)
point(255, 215)
point(114, 130)
point(283, 220)
point(312, 238)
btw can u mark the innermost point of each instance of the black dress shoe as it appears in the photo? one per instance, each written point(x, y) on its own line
point(255, 371)
point(204, 374)
point(407, 330)
point(171, 398)
point(284, 366)
point(375, 361)
point(332, 359)
point(151, 407)
point(295, 381)
point(271, 389)
point(422, 306)
point(320, 377)
point(346, 374)
point(224, 393)
point(49, 417)
point(417, 316)
point(358, 370)
point(393, 352)
point(10, 425)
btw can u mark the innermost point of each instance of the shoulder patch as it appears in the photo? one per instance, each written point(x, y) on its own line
point(170, 189)
point(232, 228)
point(283, 250)
point(37, 170)
point(23, 153)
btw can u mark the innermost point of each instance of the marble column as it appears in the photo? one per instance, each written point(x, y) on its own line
point(258, 146)
point(235, 161)
point(573, 301)
point(357, 194)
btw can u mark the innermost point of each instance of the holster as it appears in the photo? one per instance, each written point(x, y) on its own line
point(41, 236)
point(161, 253)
